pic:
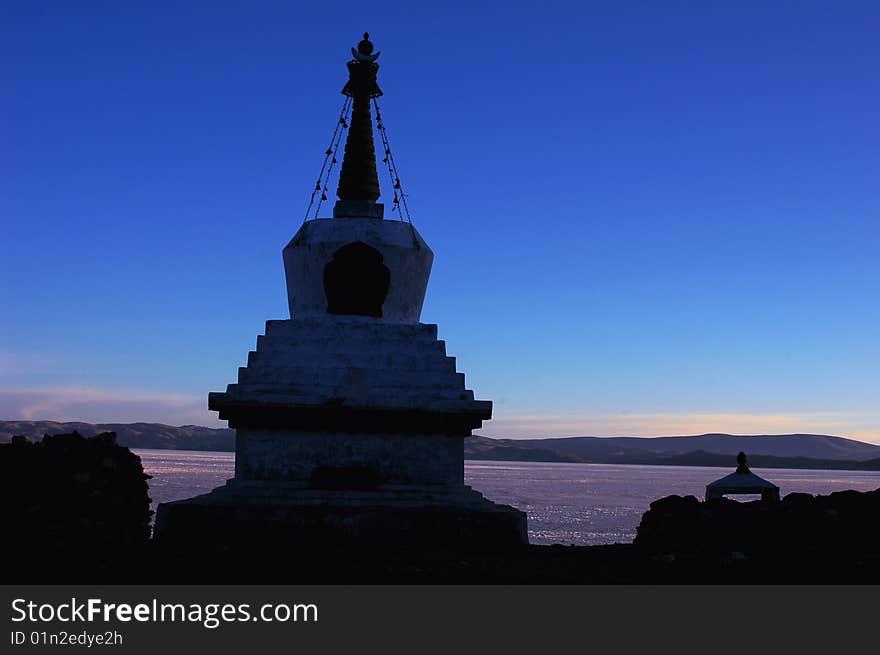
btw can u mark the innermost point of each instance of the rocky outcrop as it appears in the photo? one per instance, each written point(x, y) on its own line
point(841, 528)
point(72, 500)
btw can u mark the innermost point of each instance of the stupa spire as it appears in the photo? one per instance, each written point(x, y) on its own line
point(358, 188)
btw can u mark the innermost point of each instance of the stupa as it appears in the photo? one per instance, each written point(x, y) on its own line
point(350, 417)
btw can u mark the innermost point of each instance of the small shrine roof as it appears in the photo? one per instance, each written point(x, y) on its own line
point(741, 481)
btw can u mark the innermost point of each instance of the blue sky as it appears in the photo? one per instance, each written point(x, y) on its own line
point(648, 218)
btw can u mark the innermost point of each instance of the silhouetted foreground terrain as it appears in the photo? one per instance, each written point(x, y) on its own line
point(776, 451)
point(72, 500)
point(76, 510)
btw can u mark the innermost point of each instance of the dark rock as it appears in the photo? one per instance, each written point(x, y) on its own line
point(71, 501)
point(840, 528)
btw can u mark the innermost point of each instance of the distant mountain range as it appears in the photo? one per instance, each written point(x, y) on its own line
point(133, 435)
point(640, 450)
point(768, 451)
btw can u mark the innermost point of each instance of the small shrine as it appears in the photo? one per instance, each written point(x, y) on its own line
point(742, 482)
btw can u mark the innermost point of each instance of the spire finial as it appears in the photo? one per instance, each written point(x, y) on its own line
point(365, 47)
point(364, 51)
point(741, 463)
point(358, 188)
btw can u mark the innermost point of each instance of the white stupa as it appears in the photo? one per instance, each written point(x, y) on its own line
point(350, 417)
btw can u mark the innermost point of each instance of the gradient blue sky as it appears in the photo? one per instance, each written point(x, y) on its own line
point(648, 217)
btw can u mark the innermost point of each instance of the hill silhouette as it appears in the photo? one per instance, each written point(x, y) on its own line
point(627, 449)
point(768, 451)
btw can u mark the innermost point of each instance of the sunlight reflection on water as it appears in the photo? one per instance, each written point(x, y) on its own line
point(566, 503)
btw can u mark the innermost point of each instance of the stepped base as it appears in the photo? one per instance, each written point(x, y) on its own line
point(245, 514)
point(351, 374)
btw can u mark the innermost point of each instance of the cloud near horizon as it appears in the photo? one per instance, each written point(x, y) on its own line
point(106, 406)
point(128, 406)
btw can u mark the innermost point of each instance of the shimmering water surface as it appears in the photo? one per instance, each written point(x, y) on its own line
point(566, 503)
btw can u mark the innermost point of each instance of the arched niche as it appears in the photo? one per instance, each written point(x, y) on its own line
point(356, 281)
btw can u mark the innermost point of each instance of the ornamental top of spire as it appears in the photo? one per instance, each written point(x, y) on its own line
point(358, 188)
point(364, 52)
point(362, 71)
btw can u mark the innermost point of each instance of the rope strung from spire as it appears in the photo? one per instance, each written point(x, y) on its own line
point(333, 161)
point(388, 160)
point(329, 156)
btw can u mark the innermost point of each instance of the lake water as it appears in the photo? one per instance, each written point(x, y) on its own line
point(580, 504)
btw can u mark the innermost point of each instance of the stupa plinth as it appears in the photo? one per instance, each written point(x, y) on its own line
point(350, 417)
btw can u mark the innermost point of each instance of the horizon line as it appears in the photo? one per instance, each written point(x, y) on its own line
point(494, 437)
